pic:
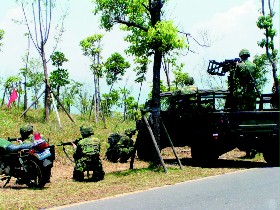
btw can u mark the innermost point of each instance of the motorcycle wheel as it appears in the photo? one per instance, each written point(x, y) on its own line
point(37, 177)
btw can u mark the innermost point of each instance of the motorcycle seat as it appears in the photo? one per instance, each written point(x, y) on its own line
point(15, 148)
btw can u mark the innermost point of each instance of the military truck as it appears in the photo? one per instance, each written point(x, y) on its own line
point(205, 121)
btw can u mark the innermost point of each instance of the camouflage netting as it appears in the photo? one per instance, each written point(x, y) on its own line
point(191, 89)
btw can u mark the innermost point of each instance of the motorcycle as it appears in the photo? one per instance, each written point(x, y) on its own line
point(30, 163)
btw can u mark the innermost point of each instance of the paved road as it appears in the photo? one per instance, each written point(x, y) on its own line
point(254, 189)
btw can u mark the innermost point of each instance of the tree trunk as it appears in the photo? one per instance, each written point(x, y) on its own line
point(156, 6)
point(47, 90)
point(156, 95)
point(96, 98)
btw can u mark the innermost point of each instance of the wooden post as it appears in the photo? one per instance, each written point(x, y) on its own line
point(60, 104)
point(133, 155)
point(32, 104)
point(178, 160)
point(155, 143)
point(56, 111)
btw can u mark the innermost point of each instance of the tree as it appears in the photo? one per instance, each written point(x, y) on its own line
point(59, 77)
point(115, 67)
point(34, 77)
point(265, 22)
point(182, 79)
point(70, 93)
point(109, 100)
point(149, 35)
point(26, 60)
point(1, 37)
point(42, 14)
point(10, 83)
point(91, 47)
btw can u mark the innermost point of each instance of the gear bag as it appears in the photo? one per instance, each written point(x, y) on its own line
point(89, 147)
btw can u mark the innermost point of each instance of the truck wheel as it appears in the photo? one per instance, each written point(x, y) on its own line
point(271, 156)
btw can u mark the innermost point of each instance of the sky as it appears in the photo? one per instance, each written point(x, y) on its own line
point(230, 26)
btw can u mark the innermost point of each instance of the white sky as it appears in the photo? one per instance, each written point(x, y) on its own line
point(231, 24)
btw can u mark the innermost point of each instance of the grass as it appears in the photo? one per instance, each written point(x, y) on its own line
point(119, 179)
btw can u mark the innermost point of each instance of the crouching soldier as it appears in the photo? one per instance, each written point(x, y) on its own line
point(87, 157)
point(120, 146)
point(126, 145)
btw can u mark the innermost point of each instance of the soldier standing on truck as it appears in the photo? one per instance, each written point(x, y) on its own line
point(244, 90)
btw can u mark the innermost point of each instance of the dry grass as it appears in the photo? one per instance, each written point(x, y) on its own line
point(119, 179)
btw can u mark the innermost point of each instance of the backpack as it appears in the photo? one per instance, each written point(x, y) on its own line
point(89, 147)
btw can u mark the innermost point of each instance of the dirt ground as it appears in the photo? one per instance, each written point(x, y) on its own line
point(63, 170)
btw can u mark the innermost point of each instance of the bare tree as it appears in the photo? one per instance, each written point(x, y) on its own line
point(265, 22)
point(39, 32)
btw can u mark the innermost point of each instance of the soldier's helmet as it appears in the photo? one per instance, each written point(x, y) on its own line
point(113, 138)
point(25, 130)
point(86, 131)
point(244, 52)
point(130, 131)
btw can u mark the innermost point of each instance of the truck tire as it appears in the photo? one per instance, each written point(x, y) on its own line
point(271, 155)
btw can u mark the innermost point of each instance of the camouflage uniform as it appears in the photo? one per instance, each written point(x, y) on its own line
point(121, 146)
point(87, 157)
point(112, 153)
point(27, 135)
point(26, 132)
point(244, 92)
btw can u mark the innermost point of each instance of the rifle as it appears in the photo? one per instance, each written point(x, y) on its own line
point(214, 67)
point(75, 141)
point(14, 139)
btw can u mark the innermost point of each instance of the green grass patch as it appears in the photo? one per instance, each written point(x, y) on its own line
point(118, 179)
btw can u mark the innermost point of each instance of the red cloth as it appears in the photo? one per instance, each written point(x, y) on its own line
point(13, 97)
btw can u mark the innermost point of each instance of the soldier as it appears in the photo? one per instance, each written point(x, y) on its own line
point(244, 90)
point(112, 153)
point(86, 156)
point(126, 145)
point(121, 146)
point(28, 135)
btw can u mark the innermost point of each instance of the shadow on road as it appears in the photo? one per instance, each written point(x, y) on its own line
point(219, 163)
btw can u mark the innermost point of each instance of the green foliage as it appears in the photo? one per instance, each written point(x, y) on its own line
point(91, 45)
point(262, 67)
point(84, 102)
point(109, 100)
point(12, 81)
point(58, 58)
point(70, 93)
point(182, 78)
point(59, 77)
point(115, 67)
point(145, 35)
point(1, 37)
point(265, 23)
point(34, 77)
point(113, 10)
point(165, 35)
